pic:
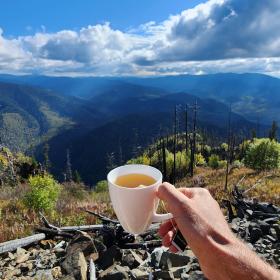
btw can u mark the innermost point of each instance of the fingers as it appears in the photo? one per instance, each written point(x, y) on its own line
point(167, 233)
point(167, 239)
point(173, 249)
point(171, 195)
point(165, 227)
point(187, 192)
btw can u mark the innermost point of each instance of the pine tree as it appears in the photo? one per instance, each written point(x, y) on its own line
point(253, 134)
point(77, 177)
point(120, 154)
point(110, 161)
point(273, 131)
point(68, 171)
point(46, 163)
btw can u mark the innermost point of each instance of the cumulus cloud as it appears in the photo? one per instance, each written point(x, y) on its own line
point(222, 29)
point(216, 36)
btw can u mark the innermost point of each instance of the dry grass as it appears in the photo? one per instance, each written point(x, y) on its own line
point(18, 221)
point(267, 189)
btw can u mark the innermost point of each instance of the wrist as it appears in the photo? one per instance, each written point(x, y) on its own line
point(236, 261)
point(218, 256)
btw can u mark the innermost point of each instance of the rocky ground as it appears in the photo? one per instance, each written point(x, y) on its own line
point(109, 253)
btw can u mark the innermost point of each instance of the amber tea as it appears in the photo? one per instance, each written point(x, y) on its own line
point(134, 180)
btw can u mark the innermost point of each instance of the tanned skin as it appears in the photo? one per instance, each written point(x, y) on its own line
point(220, 253)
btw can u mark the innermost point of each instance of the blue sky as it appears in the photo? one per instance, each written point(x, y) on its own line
point(18, 17)
point(140, 38)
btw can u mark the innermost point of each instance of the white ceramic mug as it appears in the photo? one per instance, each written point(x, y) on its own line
point(136, 207)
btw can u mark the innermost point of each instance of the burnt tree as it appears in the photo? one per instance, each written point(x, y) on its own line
point(68, 171)
point(164, 169)
point(193, 141)
point(186, 131)
point(174, 145)
point(229, 145)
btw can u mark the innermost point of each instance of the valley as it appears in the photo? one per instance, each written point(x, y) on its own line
point(106, 118)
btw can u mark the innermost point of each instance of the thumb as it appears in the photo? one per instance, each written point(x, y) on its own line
point(174, 198)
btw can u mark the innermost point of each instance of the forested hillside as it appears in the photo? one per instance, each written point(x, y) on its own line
point(255, 96)
point(115, 122)
point(30, 115)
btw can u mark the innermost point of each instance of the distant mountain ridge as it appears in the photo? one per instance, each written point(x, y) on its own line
point(125, 116)
point(28, 114)
point(255, 96)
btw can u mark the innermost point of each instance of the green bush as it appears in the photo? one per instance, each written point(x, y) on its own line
point(237, 164)
point(43, 193)
point(101, 186)
point(224, 146)
point(213, 161)
point(74, 190)
point(199, 160)
point(144, 159)
point(207, 149)
point(222, 163)
point(263, 154)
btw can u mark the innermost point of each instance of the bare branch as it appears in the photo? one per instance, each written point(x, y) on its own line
point(102, 218)
point(14, 244)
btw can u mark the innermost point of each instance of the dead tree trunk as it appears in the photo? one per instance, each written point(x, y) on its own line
point(228, 151)
point(14, 244)
point(163, 159)
point(174, 145)
point(193, 142)
point(186, 132)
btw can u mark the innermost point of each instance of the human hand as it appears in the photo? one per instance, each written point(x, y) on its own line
point(199, 218)
point(197, 215)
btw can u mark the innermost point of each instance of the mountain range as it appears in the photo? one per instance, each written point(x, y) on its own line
point(255, 96)
point(95, 118)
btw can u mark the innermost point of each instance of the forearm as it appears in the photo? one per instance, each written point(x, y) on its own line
point(236, 261)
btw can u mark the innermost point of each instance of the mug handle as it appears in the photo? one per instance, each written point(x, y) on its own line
point(158, 218)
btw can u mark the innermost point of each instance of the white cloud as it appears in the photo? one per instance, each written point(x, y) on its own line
point(216, 36)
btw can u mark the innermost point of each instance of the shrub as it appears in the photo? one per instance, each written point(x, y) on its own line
point(3, 161)
point(224, 146)
point(222, 163)
point(199, 160)
point(263, 154)
point(77, 177)
point(74, 190)
point(144, 159)
point(207, 149)
point(213, 161)
point(237, 164)
point(43, 193)
point(101, 186)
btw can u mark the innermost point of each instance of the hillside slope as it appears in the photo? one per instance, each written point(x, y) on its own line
point(135, 119)
point(255, 96)
point(27, 114)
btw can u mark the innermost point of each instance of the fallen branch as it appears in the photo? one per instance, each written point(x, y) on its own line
point(46, 222)
point(145, 245)
point(102, 218)
point(53, 232)
point(14, 244)
point(240, 181)
point(257, 183)
point(56, 229)
point(92, 271)
point(82, 228)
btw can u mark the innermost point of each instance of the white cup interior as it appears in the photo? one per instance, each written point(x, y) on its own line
point(134, 169)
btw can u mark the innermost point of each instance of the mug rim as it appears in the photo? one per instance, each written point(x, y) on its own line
point(159, 181)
